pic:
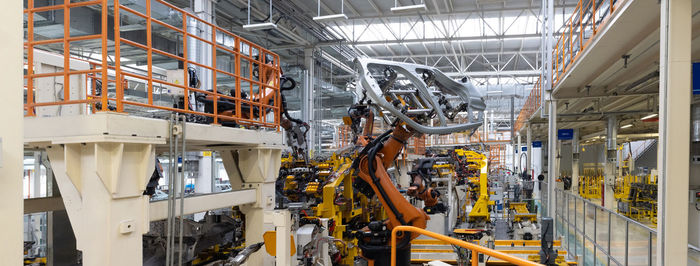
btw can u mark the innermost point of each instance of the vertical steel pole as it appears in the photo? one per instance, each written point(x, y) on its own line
point(552, 153)
point(627, 242)
point(182, 189)
point(584, 233)
point(609, 234)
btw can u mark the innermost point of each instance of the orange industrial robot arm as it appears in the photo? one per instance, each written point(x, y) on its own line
point(380, 154)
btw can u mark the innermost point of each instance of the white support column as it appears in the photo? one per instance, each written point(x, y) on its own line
point(551, 158)
point(674, 132)
point(528, 163)
point(610, 168)
point(307, 105)
point(486, 126)
point(519, 151)
point(102, 186)
point(204, 181)
point(258, 168)
point(11, 134)
point(575, 155)
point(281, 219)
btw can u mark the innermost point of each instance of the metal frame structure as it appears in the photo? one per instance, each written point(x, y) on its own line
point(423, 95)
point(110, 69)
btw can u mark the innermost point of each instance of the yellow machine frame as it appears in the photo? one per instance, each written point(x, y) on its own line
point(480, 210)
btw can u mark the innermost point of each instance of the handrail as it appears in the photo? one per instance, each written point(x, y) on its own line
point(588, 15)
point(264, 91)
point(476, 249)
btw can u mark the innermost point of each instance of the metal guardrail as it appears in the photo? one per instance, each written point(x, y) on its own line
point(576, 34)
point(112, 63)
point(588, 233)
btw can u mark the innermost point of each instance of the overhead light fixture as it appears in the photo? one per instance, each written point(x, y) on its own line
point(260, 26)
point(332, 17)
point(626, 126)
point(411, 8)
point(649, 116)
point(492, 92)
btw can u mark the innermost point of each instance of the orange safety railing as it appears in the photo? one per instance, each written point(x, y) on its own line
point(476, 249)
point(344, 136)
point(530, 107)
point(576, 34)
point(416, 145)
point(497, 156)
point(237, 60)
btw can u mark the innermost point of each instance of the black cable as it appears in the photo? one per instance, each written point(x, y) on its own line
point(372, 143)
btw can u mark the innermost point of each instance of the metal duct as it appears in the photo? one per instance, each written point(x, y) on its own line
point(611, 138)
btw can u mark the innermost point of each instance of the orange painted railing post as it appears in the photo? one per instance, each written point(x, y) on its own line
point(117, 58)
point(149, 54)
point(475, 258)
point(105, 51)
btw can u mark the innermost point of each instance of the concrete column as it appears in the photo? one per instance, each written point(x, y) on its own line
point(575, 162)
point(204, 181)
point(256, 168)
point(11, 134)
point(102, 186)
point(528, 162)
point(486, 126)
point(674, 131)
point(610, 167)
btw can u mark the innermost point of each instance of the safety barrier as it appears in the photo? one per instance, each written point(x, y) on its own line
point(596, 235)
point(578, 32)
point(476, 249)
point(530, 106)
point(120, 58)
point(590, 186)
point(576, 35)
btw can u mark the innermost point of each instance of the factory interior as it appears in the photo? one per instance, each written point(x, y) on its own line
point(350, 132)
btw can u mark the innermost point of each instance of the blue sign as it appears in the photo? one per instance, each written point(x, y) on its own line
point(696, 78)
point(565, 134)
point(537, 144)
point(524, 148)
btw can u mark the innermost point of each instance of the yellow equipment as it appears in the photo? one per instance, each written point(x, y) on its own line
point(590, 186)
point(480, 210)
point(521, 212)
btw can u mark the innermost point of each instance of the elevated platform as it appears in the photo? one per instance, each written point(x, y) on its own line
point(102, 163)
point(630, 23)
point(116, 127)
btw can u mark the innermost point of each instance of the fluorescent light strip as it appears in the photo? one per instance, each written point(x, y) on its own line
point(260, 26)
point(650, 116)
point(418, 7)
point(330, 17)
point(626, 126)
